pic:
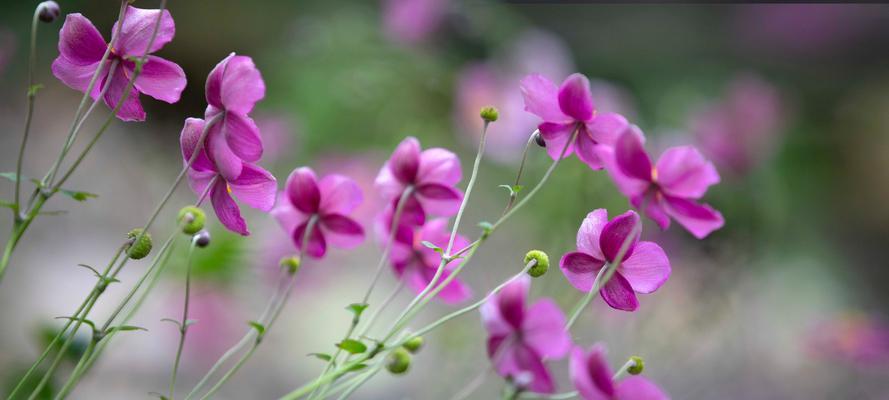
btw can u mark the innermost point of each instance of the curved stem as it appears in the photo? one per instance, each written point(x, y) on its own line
point(32, 94)
point(379, 311)
point(183, 324)
point(518, 176)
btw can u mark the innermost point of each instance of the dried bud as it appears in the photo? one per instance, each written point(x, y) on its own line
point(538, 138)
point(414, 344)
point(191, 219)
point(138, 249)
point(542, 264)
point(489, 114)
point(202, 239)
point(637, 367)
point(48, 11)
point(290, 263)
point(398, 361)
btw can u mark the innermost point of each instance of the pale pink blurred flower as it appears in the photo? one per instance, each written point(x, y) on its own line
point(412, 21)
point(743, 129)
point(220, 322)
point(279, 136)
point(854, 338)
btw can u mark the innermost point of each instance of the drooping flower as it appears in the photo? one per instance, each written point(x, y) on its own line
point(568, 108)
point(416, 264)
point(233, 88)
point(329, 201)
point(254, 186)
point(667, 189)
point(431, 174)
point(594, 379)
point(644, 267)
point(520, 337)
point(81, 48)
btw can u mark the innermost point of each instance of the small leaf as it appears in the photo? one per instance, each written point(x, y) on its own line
point(487, 228)
point(352, 346)
point(259, 327)
point(7, 204)
point(357, 308)
point(172, 321)
point(356, 367)
point(517, 188)
point(325, 357)
point(9, 175)
point(158, 395)
point(32, 91)
point(125, 328)
point(432, 246)
point(190, 322)
point(507, 187)
point(82, 320)
point(98, 275)
point(79, 195)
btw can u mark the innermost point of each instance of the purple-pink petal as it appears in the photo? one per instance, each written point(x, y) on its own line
point(339, 194)
point(188, 143)
point(316, 243)
point(544, 330)
point(647, 269)
point(616, 232)
point(412, 212)
point(607, 127)
point(162, 79)
point(699, 219)
point(199, 180)
point(386, 185)
point(556, 137)
point(226, 161)
point(639, 388)
point(286, 214)
point(444, 207)
point(342, 231)
point(302, 189)
point(405, 160)
point(138, 27)
point(438, 165)
point(627, 185)
point(77, 76)
point(438, 192)
point(580, 269)
point(630, 154)
point(242, 136)
point(130, 109)
point(80, 43)
point(651, 204)
point(255, 187)
point(575, 98)
point(541, 98)
point(591, 374)
point(589, 232)
point(235, 84)
point(683, 172)
point(618, 293)
point(511, 301)
point(585, 147)
point(226, 209)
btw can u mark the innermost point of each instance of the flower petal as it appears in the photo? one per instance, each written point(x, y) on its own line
point(227, 162)
point(242, 136)
point(585, 147)
point(575, 98)
point(302, 189)
point(339, 194)
point(591, 374)
point(226, 209)
point(77, 76)
point(317, 245)
point(684, 172)
point(342, 231)
point(164, 80)
point(386, 185)
point(651, 204)
point(439, 165)
point(188, 142)
point(287, 215)
point(541, 98)
point(556, 136)
point(630, 154)
point(439, 199)
point(616, 232)
point(455, 292)
point(627, 185)
point(511, 301)
point(235, 84)
point(619, 294)
point(589, 232)
point(530, 365)
point(198, 180)
point(699, 219)
point(131, 109)
point(80, 43)
point(255, 187)
point(580, 269)
point(544, 330)
point(639, 388)
point(606, 128)
point(647, 269)
point(412, 213)
point(138, 27)
point(405, 160)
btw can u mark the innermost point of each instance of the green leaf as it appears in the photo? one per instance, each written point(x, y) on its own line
point(259, 327)
point(158, 395)
point(432, 246)
point(9, 175)
point(125, 328)
point(32, 91)
point(7, 204)
point(172, 321)
point(98, 275)
point(357, 308)
point(325, 357)
point(352, 346)
point(190, 322)
point(78, 195)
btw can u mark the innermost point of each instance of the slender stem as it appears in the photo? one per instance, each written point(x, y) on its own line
point(393, 228)
point(230, 372)
point(518, 176)
point(183, 325)
point(379, 311)
point(366, 377)
point(32, 94)
point(69, 385)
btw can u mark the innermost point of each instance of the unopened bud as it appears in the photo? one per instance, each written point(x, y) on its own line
point(538, 138)
point(191, 219)
point(48, 11)
point(202, 239)
point(540, 266)
point(489, 114)
point(138, 249)
point(637, 367)
point(290, 263)
point(398, 361)
point(414, 344)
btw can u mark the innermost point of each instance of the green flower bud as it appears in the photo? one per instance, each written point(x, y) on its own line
point(138, 250)
point(414, 344)
point(192, 219)
point(290, 263)
point(398, 361)
point(542, 264)
point(202, 239)
point(489, 114)
point(637, 367)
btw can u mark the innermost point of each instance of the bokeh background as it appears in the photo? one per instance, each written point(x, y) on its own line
point(787, 301)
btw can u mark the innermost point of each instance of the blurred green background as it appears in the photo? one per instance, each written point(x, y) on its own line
point(787, 301)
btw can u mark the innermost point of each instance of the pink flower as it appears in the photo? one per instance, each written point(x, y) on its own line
point(254, 186)
point(233, 88)
point(412, 21)
point(644, 267)
point(854, 338)
point(594, 380)
point(566, 108)
point(666, 189)
point(330, 200)
point(81, 48)
point(431, 174)
point(519, 338)
point(416, 264)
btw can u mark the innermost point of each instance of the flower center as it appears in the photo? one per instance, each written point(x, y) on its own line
point(228, 188)
point(654, 174)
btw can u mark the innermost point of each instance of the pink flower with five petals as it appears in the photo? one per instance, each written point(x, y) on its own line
point(594, 380)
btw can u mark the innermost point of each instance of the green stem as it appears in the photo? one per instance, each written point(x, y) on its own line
point(373, 317)
point(32, 94)
point(364, 378)
point(518, 176)
point(183, 325)
point(69, 385)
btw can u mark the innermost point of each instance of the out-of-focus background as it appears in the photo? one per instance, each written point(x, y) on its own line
point(787, 301)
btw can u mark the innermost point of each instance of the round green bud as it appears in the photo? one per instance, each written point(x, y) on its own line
point(542, 264)
point(398, 361)
point(489, 114)
point(637, 367)
point(192, 219)
point(414, 344)
point(138, 249)
point(290, 263)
